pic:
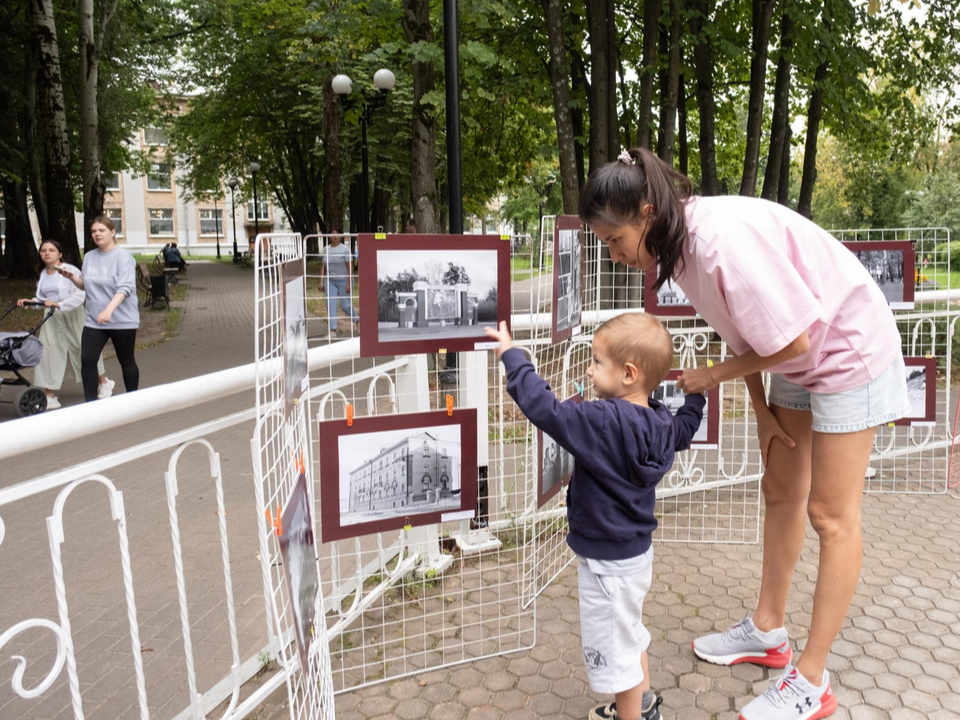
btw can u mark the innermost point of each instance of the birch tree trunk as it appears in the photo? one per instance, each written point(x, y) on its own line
point(53, 119)
point(762, 18)
point(37, 190)
point(423, 160)
point(90, 45)
point(559, 81)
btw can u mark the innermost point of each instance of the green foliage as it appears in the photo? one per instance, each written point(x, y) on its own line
point(937, 204)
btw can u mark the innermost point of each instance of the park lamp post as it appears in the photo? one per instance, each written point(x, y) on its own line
point(254, 168)
point(232, 184)
point(342, 85)
point(216, 224)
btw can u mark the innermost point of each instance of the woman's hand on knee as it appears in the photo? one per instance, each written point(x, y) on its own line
point(768, 430)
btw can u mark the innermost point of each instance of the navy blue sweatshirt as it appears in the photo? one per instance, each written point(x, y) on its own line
point(622, 450)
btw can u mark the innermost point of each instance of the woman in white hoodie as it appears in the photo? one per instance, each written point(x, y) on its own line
point(60, 335)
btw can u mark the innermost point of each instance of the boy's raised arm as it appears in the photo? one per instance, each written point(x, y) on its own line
point(687, 420)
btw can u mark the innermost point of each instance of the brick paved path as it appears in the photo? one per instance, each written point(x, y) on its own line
point(897, 657)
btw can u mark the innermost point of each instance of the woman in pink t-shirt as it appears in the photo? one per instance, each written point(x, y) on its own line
point(790, 300)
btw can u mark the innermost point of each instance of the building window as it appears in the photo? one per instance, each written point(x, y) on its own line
point(111, 182)
point(264, 213)
point(154, 136)
point(161, 221)
point(159, 177)
point(211, 222)
point(116, 216)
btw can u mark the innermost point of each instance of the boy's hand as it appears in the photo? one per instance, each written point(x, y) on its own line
point(697, 380)
point(502, 336)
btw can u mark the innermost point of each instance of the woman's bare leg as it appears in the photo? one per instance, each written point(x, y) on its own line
point(839, 467)
point(785, 487)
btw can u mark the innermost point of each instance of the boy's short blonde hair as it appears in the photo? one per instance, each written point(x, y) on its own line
point(639, 338)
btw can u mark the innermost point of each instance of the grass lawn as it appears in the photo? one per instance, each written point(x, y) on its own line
point(521, 267)
point(943, 279)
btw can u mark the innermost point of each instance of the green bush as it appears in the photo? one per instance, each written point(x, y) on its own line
point(939, 254)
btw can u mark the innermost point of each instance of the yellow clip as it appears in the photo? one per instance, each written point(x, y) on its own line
point(891, 424)
point(709, 363)
point(442, 351)
point(504, 236)
point(407, 524)
point(928, 356)
point(408, 527)
point(380, 236)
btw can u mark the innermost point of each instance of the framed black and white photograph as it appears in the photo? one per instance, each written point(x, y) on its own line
point(707, 436)
point(567, 278)
point(669, 299)
point(555, 466)
point(295, 380)
point(921, 376)
point(432, 292)
point(891, 264)
point(299, 552)
point(385, 473)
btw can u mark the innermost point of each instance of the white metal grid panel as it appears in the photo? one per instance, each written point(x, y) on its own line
point(278, 445)
point(404, 601)
point(915, 458)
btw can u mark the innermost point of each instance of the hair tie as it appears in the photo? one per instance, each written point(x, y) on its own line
point(626, 158)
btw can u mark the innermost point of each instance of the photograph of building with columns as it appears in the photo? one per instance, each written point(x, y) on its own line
point(399, 473)
point(435, 294)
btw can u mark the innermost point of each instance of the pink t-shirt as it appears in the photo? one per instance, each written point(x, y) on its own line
point(761, 274)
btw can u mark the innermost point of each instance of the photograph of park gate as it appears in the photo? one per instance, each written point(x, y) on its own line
point(202, 535)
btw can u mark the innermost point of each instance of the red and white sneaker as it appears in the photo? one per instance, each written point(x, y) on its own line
point(744, 643)
point(792, 697)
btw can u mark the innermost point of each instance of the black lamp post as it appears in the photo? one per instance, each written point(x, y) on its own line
point(216, 221)
point(232, 183)
point(343, 87)
point(254, 169)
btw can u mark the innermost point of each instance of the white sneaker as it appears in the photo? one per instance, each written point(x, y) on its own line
point(792, 697)
point(744, 643)
point(106, 389)
point(53, 403)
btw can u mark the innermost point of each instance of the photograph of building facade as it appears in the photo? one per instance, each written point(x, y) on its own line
point(419, 473)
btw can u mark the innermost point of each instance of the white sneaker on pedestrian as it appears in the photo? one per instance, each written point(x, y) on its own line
point(744, 643)
point(53, 403)
point(793, 697)
point(106, 389)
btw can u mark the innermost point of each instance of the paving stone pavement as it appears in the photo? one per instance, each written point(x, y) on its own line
point(896, 658)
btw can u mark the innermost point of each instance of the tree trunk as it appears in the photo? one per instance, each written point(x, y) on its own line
point(762, 18)
point(781, 110)
point(670, 86)
point(20, 258)
point(423, 163)
point(682, 113)
point(599, 85)
point(37, 190)
point(783, 182)
point(703, 67)
point(559, 74)
point(576, 118)
point(613, 54)
point(53, 119)
point(90, 44)
point(332, 201)
point(810, 148)
point(651, 32)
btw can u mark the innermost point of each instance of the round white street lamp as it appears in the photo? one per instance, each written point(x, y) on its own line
point(384, 80)
point(342, 85)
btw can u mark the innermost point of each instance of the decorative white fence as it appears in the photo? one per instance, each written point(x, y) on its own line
point(178, 620)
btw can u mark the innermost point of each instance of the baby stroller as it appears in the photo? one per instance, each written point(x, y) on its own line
point(20, 350)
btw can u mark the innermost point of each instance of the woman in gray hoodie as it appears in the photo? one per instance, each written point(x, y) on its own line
point(109, 279)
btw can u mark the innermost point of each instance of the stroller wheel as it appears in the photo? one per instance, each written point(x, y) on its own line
point(30, 402)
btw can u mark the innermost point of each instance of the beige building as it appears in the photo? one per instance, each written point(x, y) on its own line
point(151, 211)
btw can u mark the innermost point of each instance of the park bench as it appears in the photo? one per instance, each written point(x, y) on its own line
point(153, 287)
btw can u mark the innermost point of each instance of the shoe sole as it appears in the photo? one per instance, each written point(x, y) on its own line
point(828, 706)
point(773, 658)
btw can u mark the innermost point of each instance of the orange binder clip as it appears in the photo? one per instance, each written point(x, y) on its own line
point(450, 405)
point(349, 415)
point(275, 524)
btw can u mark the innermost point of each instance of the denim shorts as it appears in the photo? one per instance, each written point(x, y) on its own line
point(882, 400)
